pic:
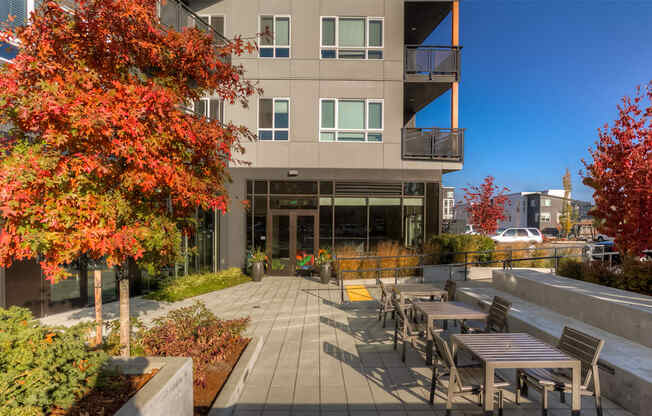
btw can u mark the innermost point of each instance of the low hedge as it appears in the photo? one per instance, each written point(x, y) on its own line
point(442, 247)
point(632, 275)
point(197, 284)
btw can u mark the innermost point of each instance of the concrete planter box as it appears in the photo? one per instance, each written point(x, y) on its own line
point(226, 400)
point(169, 392)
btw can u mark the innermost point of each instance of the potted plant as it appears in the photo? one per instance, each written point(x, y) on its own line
point(325, 262)
point(257, 260)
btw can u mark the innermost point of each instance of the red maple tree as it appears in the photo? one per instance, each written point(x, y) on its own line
point(102, 160)
point(486, 205)
point(621, 175)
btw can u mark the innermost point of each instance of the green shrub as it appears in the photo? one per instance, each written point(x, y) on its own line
point(42, 367)
point(197, 284)
point(632, 275)
point(442, 247)
point(195, 332)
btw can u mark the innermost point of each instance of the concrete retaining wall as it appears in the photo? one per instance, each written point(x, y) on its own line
point(169, 392)
point(619, 312)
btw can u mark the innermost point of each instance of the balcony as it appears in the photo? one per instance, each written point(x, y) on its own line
point(177, 16)
point(433, 144)
point(432, 63)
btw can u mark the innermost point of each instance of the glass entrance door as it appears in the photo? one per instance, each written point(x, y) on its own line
point(292, 241)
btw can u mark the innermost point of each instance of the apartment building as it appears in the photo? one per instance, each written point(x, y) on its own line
point(339, 158)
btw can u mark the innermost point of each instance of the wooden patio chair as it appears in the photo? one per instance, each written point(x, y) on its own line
point(450, 287)
point(405, 328)
point(385, 304)
point(462, 380)
point(496, 320)
point(578, 345)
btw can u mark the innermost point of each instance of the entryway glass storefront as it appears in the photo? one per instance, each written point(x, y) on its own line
point(292, 219)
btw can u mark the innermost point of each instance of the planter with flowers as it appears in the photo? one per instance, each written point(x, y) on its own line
point(325, 262)
point(257, 260)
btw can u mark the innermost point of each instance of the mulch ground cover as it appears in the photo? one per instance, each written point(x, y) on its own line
point(215, 380)
point(109, 396)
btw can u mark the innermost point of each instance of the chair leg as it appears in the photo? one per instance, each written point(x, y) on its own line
point(596, 391)
point(395, 333)
point(433, 385)
point(500, 402)
point(544, 401)
point(404, 347)
point(384, 319)
point(519, 387)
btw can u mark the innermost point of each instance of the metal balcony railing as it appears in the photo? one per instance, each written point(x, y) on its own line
point(432, 60)
point(433, 144)
point(176, 15)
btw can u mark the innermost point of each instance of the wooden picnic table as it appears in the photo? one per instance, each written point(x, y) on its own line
point(516, 350)
point(444, 311)
point(417, 290)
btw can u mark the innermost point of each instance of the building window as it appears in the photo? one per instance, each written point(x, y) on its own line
point(217, 23)
point(274, 119)
point(546, 202)
point(351, 37)
point(211, 108)
point(544, 217)
point(350, 120)
point(275, 36)
point(533, 202)
point(16, 8)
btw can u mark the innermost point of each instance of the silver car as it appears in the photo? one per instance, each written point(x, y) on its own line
point(518, 235)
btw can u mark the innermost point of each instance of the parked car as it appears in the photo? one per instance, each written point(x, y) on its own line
point(603, 237)
point(518, 235)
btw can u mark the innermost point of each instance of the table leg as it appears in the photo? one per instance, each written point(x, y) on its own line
point(488, 402)
point(429, 342)
point(577, 398)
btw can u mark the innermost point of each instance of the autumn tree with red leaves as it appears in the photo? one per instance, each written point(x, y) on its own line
point(486, 205)
point(102, 161)
point(621, 175)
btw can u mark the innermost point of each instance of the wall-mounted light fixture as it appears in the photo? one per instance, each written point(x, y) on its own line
point(293, 172)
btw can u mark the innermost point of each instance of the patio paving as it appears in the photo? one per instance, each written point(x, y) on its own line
point(321, 357)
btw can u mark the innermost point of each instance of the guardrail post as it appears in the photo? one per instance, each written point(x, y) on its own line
point(466, 266)
point(556, 261)
point(339, 273)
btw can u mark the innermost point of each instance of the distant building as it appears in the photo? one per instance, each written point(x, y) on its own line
point(542, 209)
point(448, 203)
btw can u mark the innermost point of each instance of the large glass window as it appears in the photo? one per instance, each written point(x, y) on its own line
point(274, 119)
point(275, 37)
point(217, 23)
point(351, 120)
point(325, 222)
point(413, 222)
point(384, 220)
point(352, 37)
point(351, 222)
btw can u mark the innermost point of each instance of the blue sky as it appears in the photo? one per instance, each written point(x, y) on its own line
point(538, 79)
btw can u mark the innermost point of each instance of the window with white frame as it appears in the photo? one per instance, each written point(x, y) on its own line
point(546, 202)
point(544, 217)
point(211, 108)
point(352, 37)
point(274, 119)
point(216, 22)
point(350, 120)
point(275, 36)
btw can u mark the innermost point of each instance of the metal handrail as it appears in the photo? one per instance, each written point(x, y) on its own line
point(432, 60)
point(178, 25)
point(432, 143)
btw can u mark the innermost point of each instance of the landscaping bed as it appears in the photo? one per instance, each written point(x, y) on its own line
point(216, 377)
point(112, 391)
point(174, 290)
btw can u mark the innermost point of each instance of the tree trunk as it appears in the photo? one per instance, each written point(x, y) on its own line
point(125, 322)
point(97, 277)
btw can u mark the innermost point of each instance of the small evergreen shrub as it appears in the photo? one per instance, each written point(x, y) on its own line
point(43, 367)
point(197, 333)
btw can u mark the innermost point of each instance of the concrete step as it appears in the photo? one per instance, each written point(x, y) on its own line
point(630, 385)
